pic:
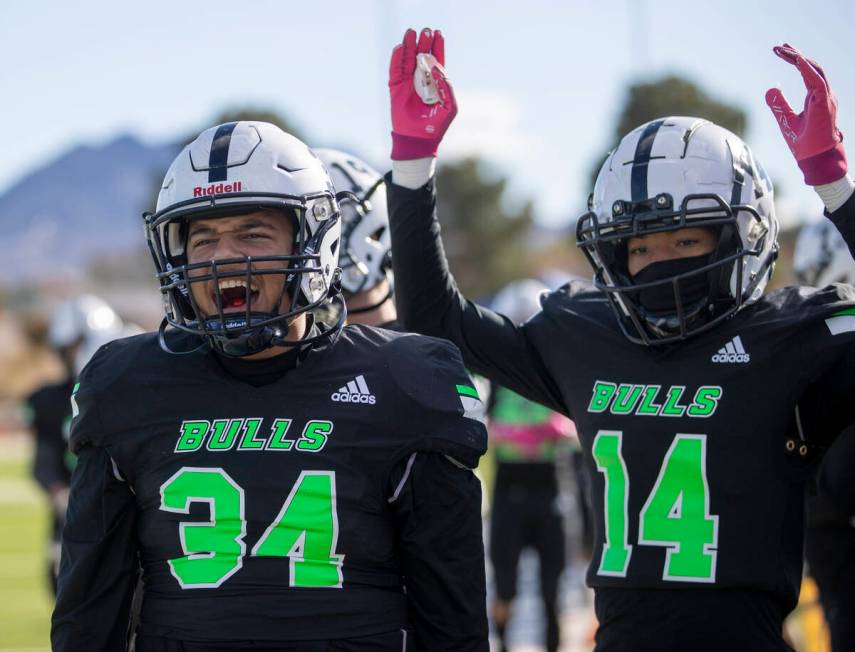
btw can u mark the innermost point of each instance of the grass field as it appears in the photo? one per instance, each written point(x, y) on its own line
point(25, 600)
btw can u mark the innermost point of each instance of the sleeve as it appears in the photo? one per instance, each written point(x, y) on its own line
point(437, 509)
point(835, 478)
point(844, 219)
point(99, 561)
point(429, 302)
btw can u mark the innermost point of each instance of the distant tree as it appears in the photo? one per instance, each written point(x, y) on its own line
point(671, 95)
point(486, 242)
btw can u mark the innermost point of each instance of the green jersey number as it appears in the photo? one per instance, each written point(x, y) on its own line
point(305, 531)
point(676, 514)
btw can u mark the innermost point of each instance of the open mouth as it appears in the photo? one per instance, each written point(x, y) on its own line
point(234, 294)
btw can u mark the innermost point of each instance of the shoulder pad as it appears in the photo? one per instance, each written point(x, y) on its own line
point(806, 304)
point(447, 412)
point(106, 371)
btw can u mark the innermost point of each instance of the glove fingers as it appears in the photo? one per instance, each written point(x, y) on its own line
point(425, 41)
point(396, 72)
point(776, 101)
point(408, 56)
point(787, 52)
point(445, 90)
point(438, 48)
point(814, 79)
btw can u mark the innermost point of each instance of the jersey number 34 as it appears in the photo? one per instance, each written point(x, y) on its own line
point(676, 514)
point(305, 530)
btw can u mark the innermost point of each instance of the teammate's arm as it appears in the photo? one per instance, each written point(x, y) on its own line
point(427, 297)
point(99, 559)
point(437, 508)
point(815, 141)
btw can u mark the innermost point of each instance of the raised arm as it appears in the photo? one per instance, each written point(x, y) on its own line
point(428, 299)
point(816, 142)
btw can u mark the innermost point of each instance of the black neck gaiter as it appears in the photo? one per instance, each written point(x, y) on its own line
point(658, 300)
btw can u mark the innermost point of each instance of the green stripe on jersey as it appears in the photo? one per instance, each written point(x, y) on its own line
point(841, 322)
point(467, 390)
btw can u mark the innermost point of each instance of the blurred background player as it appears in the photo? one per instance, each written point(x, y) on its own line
point(78, 327)
point(527, 440)
point(366, 254)
point(821, 258)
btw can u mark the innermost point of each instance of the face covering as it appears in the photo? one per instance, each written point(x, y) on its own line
point(658, 300)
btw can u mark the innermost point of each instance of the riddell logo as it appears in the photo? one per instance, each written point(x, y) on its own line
point(217, 189)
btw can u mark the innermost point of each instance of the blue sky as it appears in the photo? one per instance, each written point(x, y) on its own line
point(539, 83)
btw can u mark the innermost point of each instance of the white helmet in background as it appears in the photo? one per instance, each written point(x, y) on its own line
point(822, 256)
point(519, 300)
point(234, 168)
point(666, 175)
point(366, 243)
point(80, 325)
point(96, 340)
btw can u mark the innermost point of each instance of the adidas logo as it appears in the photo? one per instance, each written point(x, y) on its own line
point(733, 351)
point(356, 391)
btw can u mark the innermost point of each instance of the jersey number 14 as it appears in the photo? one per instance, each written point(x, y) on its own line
point(676, 514)
point(305, 530)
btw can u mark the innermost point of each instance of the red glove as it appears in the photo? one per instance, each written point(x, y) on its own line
point(417, 127)
point(811, 135)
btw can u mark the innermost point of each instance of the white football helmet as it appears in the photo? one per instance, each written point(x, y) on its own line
point(666, 175)
point(822, 256)
point(81, 325)
point(519, 300)
point(366, 242)
point(235, 168)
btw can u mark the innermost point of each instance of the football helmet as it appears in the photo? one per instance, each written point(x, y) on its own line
point(366, 242)
point(81, 325)
point(669, 174)
point(228, 170)
point(822, 256)
point(519, 300)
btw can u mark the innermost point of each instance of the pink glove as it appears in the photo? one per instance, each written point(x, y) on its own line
point(811, 135)
point(418, 128)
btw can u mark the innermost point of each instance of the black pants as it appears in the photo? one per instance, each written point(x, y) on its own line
point(396, 641)
point(525, 515)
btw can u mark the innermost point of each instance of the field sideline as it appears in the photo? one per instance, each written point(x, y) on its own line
point(25, 600)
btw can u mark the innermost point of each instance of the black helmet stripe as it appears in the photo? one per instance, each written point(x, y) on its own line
point(219, 158)
point(638, 180)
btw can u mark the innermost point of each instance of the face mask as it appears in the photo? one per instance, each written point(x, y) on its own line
point(658, 300)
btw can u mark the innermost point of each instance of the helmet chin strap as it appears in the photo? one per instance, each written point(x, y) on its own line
point(359, 311)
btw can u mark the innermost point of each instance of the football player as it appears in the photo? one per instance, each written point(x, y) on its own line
point(285, 484)
point(366, 248)
point(77, 327)
point(821, 258)
point(528, 441)
point(680, 374)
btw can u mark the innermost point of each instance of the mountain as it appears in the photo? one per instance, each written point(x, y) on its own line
point(87, 201)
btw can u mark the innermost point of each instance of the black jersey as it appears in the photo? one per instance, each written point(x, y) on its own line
point(266, 513)
point(49, 413)
point(686, 445)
